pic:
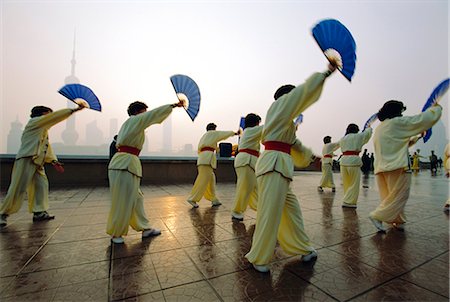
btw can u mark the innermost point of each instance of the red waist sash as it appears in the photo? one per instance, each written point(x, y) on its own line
point(351, 152)
point(250, 151)
point(277, 146)
point(328, 155)
point(207, 149)
point(128, 149)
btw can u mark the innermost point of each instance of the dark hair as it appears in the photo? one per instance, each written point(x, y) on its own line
point(251, 120)
point(135, 107)
point(327, 139)
point(352, 128)
point(390, 110)
point(282, 91)
point(211, 126)
point(39, 110)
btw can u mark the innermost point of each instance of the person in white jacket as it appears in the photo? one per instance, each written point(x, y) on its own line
point(244, 164)
point(125, 172)
point(205, 183)
point(279, 216)
point(28, 171)
point(391, 140)
point(351, 145)
point(327, 164)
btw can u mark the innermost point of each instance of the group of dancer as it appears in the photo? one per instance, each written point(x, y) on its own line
point(263, 180)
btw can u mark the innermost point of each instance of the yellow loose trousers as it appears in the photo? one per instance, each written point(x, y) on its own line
point(127, 204)
point(394, 193)
point(246, 189)
point(205, 184)
point(279, 217)
point(327, 176)
point(351, 179)
point(26, 176)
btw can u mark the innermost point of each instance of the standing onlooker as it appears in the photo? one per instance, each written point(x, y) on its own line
point(433, 163)
point(365, 168)
point(112, 147)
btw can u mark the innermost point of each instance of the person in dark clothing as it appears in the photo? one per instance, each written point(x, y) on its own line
point(112, 147)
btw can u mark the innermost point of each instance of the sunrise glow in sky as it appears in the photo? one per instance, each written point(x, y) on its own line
point(238, 52)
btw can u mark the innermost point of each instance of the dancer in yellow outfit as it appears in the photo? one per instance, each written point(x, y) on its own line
point(351, 145)
point(391, 140)
point(279, 215)
point(327, 164)
point(125, 172)
point(28, 172)
point(205, 183)
point(447, 174)
point(416, 162)
point(244, 164)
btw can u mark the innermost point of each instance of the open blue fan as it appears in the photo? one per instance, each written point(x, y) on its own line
point(434, 98)
point(242, 123)
point(78, 94)
point(188, 92)
point(337, 44)
point(371, 120)
point(298, 120)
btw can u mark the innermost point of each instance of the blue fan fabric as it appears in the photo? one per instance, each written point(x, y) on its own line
point(187, 86)
point(78, 91)
point(333, 34)
point(435, 97)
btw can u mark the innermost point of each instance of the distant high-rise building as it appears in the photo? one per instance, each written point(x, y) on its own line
point(70, 135)
point(94, 136)
point(14, 136)
point(167, 135)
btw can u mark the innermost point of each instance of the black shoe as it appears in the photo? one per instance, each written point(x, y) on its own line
point(3, 220)
point(41, 216)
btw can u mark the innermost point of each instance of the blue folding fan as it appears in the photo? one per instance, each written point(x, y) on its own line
point(188, 92)
point(298, 120)
point(434, 98)
point(371, 120)
point(78, 93)
point(242, 123)
point(337, 44)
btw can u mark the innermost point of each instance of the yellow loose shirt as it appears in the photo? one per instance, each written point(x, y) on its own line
point(392, 136)
point(210, 139)
point(328, 149)
point(34, 141)
point(132, 134)
point(279, 125)
point(354, 142)
point(250, 140)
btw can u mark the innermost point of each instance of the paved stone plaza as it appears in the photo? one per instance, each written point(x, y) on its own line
point(200, 254)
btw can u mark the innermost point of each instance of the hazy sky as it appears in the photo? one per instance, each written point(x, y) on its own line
point(238, 52)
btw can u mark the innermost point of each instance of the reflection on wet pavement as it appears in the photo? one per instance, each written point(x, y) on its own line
point(200, 253)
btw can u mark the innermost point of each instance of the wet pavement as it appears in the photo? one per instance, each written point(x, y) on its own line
point(200, 254)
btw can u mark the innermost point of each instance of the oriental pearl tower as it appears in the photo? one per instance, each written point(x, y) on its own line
point(70, 135)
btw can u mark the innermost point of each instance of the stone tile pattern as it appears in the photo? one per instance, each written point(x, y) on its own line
point(200, 254)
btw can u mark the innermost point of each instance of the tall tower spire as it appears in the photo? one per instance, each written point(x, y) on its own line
point(72, 79)
point(73, 61)
point(70, 135)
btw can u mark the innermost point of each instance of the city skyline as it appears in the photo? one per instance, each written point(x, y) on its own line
point(238, 53)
